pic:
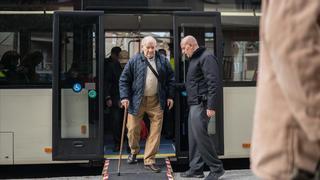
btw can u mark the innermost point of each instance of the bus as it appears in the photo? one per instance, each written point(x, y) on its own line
point(57, 113)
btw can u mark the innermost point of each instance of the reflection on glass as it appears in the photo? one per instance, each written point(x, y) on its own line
point(74, 114)
point(205, 35)
point(78, 71)
point(242, 64)
point(209, 41)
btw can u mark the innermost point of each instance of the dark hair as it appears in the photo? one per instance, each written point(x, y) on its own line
point(10, 59)
point(32, 59)
point(116, 50)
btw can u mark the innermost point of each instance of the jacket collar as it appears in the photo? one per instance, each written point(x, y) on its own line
point(198, 52)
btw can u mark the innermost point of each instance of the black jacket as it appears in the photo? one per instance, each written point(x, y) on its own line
point(112, 74)
point(203, 78)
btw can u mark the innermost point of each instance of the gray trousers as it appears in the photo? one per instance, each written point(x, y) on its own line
point(201, 145)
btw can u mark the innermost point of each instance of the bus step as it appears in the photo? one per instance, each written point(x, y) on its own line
point(136, 171)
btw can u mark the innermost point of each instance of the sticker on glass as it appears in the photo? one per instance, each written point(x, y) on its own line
point(77, 87)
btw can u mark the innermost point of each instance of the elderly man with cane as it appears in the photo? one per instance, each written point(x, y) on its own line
point(146, 86)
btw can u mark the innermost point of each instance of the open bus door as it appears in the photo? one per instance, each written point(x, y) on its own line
point(77, 109)
point(206, 28)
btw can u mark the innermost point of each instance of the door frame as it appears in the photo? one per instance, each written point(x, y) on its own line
point(57, 142)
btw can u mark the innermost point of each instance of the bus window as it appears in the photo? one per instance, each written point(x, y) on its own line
point(129, 42)
point(34, 65)
point(241, 51)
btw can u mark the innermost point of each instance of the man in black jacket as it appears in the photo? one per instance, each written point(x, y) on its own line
point(201, 85)
point(112, 96)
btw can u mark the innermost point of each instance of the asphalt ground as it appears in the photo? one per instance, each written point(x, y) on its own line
point(89, 171)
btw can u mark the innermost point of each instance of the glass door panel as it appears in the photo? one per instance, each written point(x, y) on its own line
point(77, 86)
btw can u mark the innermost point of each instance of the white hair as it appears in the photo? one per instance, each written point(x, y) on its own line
point(148, 39)
point(189, 40)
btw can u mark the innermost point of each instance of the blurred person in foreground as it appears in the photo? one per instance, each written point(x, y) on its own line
point(286, 131)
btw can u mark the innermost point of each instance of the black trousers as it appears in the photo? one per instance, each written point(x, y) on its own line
point(201, 145)
point(168, 123)
point(117, 120)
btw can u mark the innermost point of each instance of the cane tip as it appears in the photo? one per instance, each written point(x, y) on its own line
point(118, 174)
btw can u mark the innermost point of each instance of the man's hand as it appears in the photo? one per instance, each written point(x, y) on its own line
point(210, 113)
point(109, 103)
point(125, 103)
point(169, 103)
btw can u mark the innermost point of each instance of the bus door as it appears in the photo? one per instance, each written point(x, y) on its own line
point(77, 109)
point(206, 28)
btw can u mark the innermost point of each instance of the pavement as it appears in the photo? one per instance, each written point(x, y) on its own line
point(229, 175)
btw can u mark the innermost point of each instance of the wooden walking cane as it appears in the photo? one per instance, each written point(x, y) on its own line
point(122, 137)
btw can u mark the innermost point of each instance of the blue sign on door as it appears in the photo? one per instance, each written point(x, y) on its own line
point(77, 87)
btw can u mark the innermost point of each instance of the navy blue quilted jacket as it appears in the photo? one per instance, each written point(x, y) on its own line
point(133, 77)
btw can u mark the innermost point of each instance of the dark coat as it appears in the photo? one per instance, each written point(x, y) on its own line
point(203, 78)
point(133, 77)
point(112, 74)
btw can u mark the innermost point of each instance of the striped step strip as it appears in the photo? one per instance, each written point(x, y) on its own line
point(105, 174)
point(169, 170)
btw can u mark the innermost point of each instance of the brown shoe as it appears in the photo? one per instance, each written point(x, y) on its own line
point(153, 168)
